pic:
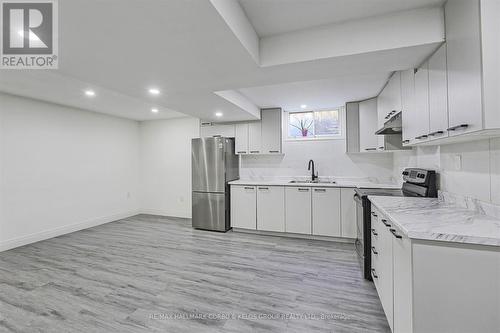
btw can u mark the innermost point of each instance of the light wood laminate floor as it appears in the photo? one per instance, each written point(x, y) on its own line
point(156, 274)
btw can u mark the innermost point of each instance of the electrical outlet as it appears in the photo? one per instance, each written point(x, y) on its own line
point(457, 162)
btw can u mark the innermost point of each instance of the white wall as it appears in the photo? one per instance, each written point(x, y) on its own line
point(63, 169)
point(479, 174)
point(165, 172)
point(329, 157)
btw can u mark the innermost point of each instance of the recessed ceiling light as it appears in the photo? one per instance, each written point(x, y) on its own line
point(218, 114)
point(303, 106)
point(90, 93)
point(154, 91)
point(154, 110)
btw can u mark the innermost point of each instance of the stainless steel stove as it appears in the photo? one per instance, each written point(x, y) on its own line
point(417, 183)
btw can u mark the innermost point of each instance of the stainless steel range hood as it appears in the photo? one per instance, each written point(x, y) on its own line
point(392, 126)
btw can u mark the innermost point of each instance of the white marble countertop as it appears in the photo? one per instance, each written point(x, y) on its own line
point(338, 183)
point(437, 220)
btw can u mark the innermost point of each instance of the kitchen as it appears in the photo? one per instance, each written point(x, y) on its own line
point(341, 186)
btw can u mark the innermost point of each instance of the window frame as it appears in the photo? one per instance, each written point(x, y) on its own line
point(340, 136)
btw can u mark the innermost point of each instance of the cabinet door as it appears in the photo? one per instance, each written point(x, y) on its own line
point(402, 279)
point(271, 208)
point(348, 212)
point(326, 219)
point(298, 210)
point(243, 207)
point(422, 103)
point(254, 137)
point(382, 115)
point(368, 140)
point(271, 131)
point(463, 40)
point(384, 269)
point(438, 95)
point(394, 91)
point(241, 138)
point(217, 130)
point(408, 105)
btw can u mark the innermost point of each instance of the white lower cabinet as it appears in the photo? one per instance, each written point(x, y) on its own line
point(271, 208)
point(298, 210)
point(326, 216)
point(307, 210)
point(348, 212)
point(244, 207)
point(384, 268)
point(434, 286)
point(402, 270)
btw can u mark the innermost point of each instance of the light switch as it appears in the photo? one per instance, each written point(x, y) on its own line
point(457, 162)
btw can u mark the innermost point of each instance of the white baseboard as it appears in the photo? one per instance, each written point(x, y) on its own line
point(43, 235)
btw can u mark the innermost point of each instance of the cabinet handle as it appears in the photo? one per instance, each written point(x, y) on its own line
point(384, 221)
point(303, 190)
point(370, 149)
point(373, 250)
point(254, 151)
point(319, 190)
point(374, 232)
point(434, 133)
point(274, 151)
point(373, 213)
point(393, 231)
point(381, 148)
point(263, 188)
point(249, 188)
point(421, 137)
point(406, 141)
point(463, 126)
point(241, 152)
point(374, 274)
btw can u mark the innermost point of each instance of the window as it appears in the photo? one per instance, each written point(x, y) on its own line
point(314, 124)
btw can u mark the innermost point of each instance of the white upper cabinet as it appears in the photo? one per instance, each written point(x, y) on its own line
point(422, 103)
point(241, 141)
point(260, 137)
point(368, 140)
point(394, 91)
point(210, 130)
point(254, 137)
point(408, 105)
point(271, 131)
point(463, 37)
point(438, 95)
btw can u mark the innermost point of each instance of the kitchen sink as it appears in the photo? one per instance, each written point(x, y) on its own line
point(312, 182)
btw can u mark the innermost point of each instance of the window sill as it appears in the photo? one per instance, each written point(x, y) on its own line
point(327, 138)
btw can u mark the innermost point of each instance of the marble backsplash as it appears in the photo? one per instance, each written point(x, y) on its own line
point(481, 207)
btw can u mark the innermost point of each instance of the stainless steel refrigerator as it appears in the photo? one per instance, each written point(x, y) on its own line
point(214, 164)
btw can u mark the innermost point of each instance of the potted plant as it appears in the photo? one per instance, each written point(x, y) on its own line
point(303, 126)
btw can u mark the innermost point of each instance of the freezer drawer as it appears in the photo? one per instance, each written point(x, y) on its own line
point(210, 211)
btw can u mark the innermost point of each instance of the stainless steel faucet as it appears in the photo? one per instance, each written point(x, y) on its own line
point(314, 175)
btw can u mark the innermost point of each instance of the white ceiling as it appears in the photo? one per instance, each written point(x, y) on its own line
point(319, 94)
point(120, 48)
point(271, 17)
